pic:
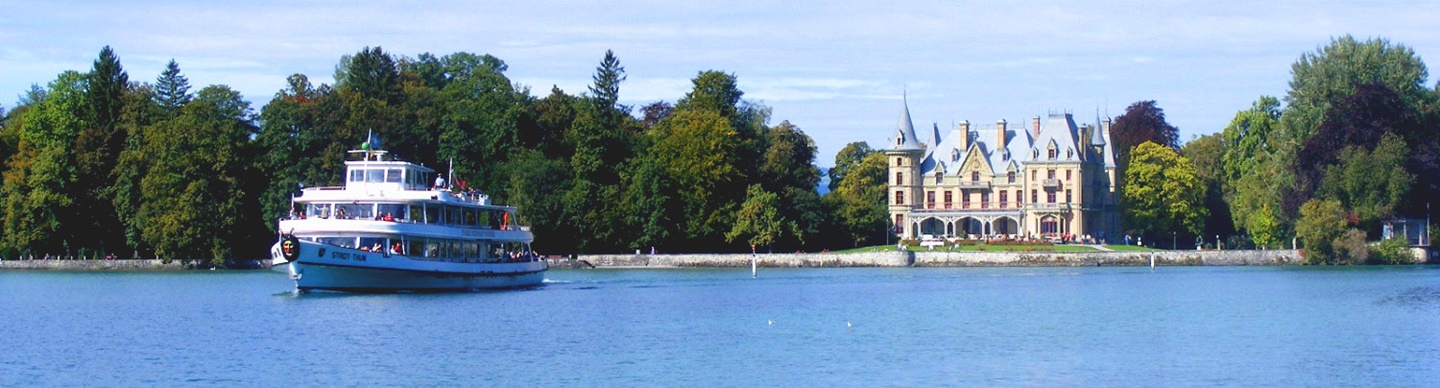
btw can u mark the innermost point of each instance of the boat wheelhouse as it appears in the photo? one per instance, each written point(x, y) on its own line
point(389, 228)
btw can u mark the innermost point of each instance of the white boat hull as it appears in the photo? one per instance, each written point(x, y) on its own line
point(325, 267)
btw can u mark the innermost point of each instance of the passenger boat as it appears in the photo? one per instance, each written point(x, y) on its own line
point(388, 230)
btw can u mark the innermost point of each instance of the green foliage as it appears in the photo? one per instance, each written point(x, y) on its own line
point(1370, 183)
point(1321, 222)
point(1206, 153)
point(1253, 176)
point(760, 218)
point(713, 90)
point(1350, 248)
point(41, 176)
point(606, 89)
point(848, 158)
point(1331, 73)
point(198, 160)
point(697, 148)
point(1395, 251)
point(858, 203)
point(172, 90)
point(1162, 193)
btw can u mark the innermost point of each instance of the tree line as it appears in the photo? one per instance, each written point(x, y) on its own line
point(98, 164)
point(1353, 143)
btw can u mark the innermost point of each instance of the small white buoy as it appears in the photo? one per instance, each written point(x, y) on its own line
point(772, 322)
point(847, 324)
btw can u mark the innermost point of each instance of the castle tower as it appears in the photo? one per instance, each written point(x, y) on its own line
point(903, 159)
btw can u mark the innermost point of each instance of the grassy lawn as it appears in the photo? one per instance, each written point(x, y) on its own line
point(1131, 248)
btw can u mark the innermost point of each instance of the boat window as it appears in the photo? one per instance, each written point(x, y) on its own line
point(415, 248)
point(355, 211)
point(321, 210)
point(471, 251)
point(343, 242)
point(391, 211)
point(416, 214)
point(470, 217)
point(454, 216)
point(374, 175)
point(456, 254)
point(373, 244)
point(434, 249)
point(392, 175)
point(357, 175)
point(432, 214)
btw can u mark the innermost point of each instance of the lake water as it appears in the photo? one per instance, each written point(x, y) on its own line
point(1283, 326)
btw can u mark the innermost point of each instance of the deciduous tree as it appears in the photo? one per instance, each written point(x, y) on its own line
point(1320, 223)
point(1162, 193)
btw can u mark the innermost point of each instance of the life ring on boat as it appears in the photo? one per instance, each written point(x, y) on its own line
point(290, 247)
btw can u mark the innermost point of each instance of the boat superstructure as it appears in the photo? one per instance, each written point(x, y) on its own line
point(389, 228)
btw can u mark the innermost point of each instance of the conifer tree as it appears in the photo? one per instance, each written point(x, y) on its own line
point(172, 90)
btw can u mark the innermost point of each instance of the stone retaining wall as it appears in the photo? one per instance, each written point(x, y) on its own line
point(119, 265)
point(1050, 259)
point(95, 265)
point(792, 260)
point(934, 259)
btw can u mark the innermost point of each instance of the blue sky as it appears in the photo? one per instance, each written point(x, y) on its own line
point(837, 69)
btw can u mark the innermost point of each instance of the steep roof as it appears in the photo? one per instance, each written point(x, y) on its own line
point(905, 136)
point(1061, 131)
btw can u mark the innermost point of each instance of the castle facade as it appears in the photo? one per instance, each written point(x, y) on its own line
point(1050, 180)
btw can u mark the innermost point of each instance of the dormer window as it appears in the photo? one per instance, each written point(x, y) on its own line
point(1051, 153)
point(974, 176)
point(954, 155)
point(1010, 177)
point(1069, 153)
point(939, 177)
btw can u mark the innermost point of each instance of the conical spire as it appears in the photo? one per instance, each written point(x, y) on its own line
point(906, 137)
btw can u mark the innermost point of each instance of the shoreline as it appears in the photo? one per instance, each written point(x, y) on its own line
point(886, 259)
point(934, 259)
point(119, 265)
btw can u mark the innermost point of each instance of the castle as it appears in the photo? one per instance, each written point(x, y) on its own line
point(1047, 181)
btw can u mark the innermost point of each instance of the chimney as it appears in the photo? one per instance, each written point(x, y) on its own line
point(1000, 128)
point(1000, 138)
point(1037, 126)
point(965, 135)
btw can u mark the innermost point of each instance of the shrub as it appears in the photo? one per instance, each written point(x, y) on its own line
point(1392, 251)
point(1321, 222)
point(1350, 248)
